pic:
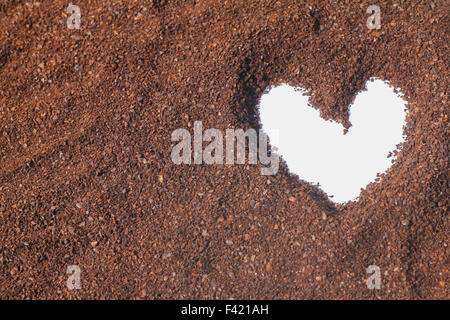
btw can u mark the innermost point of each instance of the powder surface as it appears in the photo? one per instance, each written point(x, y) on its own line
point(86, 177)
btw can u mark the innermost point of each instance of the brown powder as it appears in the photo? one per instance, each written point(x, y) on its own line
point(86, 176)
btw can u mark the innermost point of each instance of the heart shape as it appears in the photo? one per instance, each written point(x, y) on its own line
point(318, 151)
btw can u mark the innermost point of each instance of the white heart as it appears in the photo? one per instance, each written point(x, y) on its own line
point(319, 152)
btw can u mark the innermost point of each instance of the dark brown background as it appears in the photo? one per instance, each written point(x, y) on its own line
point(85, 171)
